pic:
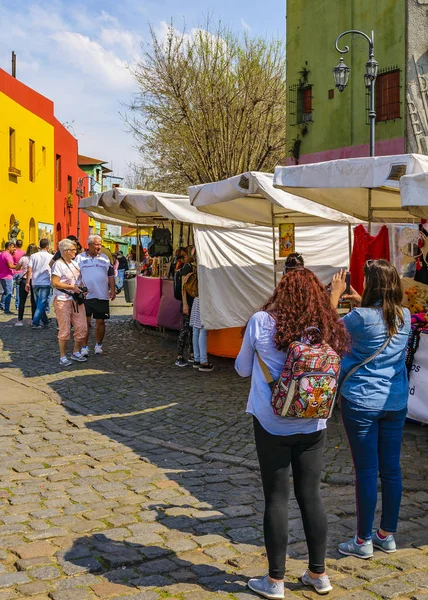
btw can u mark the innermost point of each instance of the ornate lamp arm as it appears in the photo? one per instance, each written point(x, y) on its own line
point(357, 32)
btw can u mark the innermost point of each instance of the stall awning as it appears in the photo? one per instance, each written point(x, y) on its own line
point(366, 188)
point(414, 194)
point(252, 196)
point(148, 208)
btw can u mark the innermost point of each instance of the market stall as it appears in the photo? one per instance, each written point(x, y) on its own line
point(386, 189)
point(245, 286)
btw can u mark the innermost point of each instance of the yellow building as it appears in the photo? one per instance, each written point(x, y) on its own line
point(26, 162)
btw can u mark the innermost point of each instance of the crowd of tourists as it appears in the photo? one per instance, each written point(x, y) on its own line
point(293, 349)
point(80, 283)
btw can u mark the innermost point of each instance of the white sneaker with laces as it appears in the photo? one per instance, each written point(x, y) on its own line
point(19, 324)
point(84, 351)
point(98, 349)
point(64, 362)
point(321, 585)
point(76, 356)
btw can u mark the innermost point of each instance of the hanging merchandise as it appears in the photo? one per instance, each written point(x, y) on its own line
point(367, 247)
point(160, 244)
point(421, 274)
point(286, 239)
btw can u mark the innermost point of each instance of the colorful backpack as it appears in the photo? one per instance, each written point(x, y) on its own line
point(308, 383)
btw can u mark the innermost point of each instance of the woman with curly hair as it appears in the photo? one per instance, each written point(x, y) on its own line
point(299, 303)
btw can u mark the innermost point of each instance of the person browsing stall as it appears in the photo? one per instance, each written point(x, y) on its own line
point(374, 400)
point(298, 310)
point(98, 277)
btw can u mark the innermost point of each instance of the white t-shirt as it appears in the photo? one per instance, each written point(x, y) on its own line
point(94, 270)
point(39, 262)
point(68, 273)
point(23, 261)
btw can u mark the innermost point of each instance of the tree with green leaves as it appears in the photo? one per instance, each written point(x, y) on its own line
point(210, 105)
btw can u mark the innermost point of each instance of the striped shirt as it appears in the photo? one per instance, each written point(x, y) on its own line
point(195, 315)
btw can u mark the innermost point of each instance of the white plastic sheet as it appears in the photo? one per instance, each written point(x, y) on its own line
point(344, 184)
point(236, 267)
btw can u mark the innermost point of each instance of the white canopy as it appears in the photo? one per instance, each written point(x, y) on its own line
point(147, 208)
point(102, 218)
point(252, 197)
point(414, 194)
point(366, 188)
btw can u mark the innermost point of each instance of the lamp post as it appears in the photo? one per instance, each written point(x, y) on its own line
point(80, 192)
point(341, 76)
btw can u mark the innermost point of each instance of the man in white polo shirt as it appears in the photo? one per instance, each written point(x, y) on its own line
point(98, 277)
point(39, 275)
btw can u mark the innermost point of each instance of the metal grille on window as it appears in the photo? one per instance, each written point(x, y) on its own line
point(292, 103)
point(388, 105)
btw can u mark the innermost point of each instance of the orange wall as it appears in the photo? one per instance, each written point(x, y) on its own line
point(66, 216)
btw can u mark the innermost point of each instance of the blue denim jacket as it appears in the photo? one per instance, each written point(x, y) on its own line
point(382, 384)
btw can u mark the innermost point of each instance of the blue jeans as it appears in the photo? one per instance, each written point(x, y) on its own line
point(7, 291)
point(119, 279)
point(16, 280)
point(200, 345)
point(375, 440)
point(41, 296)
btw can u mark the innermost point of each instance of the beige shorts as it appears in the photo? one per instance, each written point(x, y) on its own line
point(69, 313)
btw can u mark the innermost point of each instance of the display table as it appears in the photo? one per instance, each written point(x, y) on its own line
point(418, 383)
point(225, 342)
point(147, 300)
point(169, 315)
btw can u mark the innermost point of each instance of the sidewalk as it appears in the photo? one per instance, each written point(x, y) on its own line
point(87, 516)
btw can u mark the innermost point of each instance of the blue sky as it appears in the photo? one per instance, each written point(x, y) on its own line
point(77, 55)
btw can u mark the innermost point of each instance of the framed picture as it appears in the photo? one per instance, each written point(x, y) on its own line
point(286, 239)
point(46, 230)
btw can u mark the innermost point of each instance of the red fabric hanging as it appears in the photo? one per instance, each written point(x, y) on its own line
point(367, 247)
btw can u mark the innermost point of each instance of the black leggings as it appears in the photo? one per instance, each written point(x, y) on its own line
point(23, 294)
point(186, 334)
point(304, 452)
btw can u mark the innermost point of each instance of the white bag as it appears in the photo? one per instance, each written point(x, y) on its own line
point(418, 383)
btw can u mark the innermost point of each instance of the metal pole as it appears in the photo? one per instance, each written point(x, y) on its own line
point(273, 244)
point(350, 242)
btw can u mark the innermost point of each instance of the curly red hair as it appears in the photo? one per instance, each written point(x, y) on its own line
point(301, 302)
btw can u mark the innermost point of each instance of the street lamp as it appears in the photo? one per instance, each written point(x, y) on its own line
point(341, 76)
point(80, 192)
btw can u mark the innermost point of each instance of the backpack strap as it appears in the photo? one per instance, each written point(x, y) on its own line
point(270, 380)
point(362, 364)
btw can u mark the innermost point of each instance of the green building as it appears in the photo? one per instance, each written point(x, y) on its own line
point(325, 124)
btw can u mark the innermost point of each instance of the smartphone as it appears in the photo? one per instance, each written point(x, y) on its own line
point(348, 283)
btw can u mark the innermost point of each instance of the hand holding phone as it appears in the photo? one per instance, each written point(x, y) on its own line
point(348, 283)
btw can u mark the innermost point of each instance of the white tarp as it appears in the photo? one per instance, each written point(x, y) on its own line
point(150, 208)
point(344, 184)
point(252, 197)
point(414, 194)
point(235, 267)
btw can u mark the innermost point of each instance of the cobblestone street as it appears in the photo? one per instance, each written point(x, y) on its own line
point(128, 477)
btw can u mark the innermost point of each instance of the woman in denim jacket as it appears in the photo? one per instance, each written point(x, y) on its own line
point(374, 401)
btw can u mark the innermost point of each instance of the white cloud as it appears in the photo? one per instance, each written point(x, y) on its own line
point(245, 25)
point(92, 59)
point(128, 41)
point(107, 18)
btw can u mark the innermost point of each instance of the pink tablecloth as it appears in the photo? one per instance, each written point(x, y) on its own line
point(169, 310)
point(147, 300)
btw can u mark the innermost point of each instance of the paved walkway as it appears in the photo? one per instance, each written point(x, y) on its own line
point(128, 477)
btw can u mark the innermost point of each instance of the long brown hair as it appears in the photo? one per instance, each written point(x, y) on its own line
point(383, 289)
point(300, 303)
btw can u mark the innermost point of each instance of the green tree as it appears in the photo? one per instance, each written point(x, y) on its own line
point(210, 105)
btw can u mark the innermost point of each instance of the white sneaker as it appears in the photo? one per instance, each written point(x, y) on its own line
point(19, 324)
point(64, 362)
point(78, 357)
point(98, 349)
point(84, 351)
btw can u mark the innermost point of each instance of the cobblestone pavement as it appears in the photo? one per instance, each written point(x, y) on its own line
point(127, 477)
